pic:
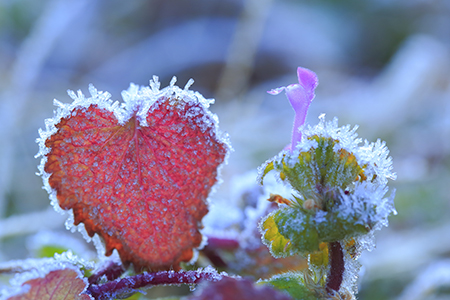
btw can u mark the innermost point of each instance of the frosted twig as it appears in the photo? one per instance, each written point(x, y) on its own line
point(112, 271)
point(146, 280)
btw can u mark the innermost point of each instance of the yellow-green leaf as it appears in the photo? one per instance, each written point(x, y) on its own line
point(279, 246)
point(267, 169)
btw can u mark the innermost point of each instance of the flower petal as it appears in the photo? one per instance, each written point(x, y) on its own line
point(300, 95)
point(308, 79)
point(276, 91)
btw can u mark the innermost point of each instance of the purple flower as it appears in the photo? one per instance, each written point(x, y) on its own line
point(300, 95)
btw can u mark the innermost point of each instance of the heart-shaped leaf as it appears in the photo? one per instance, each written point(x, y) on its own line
point(137, 175)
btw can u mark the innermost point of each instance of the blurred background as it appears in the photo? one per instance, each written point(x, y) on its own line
point(382, 64)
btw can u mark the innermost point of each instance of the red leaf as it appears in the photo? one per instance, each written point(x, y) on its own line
point(138, 177)
point(58, 284)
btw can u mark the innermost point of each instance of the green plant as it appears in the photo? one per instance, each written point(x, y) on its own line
point(135, 178)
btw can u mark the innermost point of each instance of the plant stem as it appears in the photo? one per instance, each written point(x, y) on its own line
point(337, 267)
point(112, 271)
point(222, 243)
point(215, 244)
point(131, 284)
point(214, 257)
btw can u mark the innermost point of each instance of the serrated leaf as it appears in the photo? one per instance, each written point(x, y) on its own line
point(237, 289)
point(288, 231)
point(320, 169)
point(291, 283)
point(56, 285)
point(139, 181)
point(336, 228)
point(279, 245)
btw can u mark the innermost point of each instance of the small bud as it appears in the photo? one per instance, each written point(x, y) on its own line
point(311, 204)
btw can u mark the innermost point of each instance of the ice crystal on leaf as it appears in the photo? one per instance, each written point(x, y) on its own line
point(48, 279)
point(58, 284)
point(137, 174)
point(346, 181)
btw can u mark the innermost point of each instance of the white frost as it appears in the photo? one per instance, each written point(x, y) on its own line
point(39, 268)
point(138, 101)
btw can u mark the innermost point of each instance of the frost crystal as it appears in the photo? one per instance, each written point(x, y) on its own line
point(340, 200)
point(374, 157)
point(341, 185)
point(39, 268)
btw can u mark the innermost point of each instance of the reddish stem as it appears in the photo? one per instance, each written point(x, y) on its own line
point(222, 243)
point(130, 284)
point(214, 257)
point(216, 243)
point(112, 271)
point(337, 267)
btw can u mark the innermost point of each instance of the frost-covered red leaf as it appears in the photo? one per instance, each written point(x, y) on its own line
point(138, 175)
point(58, 284)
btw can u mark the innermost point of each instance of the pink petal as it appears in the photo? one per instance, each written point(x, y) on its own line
point(276, 91)
point(307, 79)
point(300, 95)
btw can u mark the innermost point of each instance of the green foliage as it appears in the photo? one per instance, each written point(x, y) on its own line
point(288, 232)
point(319, 169)
point(279, 245)
point(294, 230)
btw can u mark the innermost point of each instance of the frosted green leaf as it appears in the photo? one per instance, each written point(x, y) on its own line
point(279, 246)
point(320, 169)
point(288, 232)
point(293, 230)
point(335, 228)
